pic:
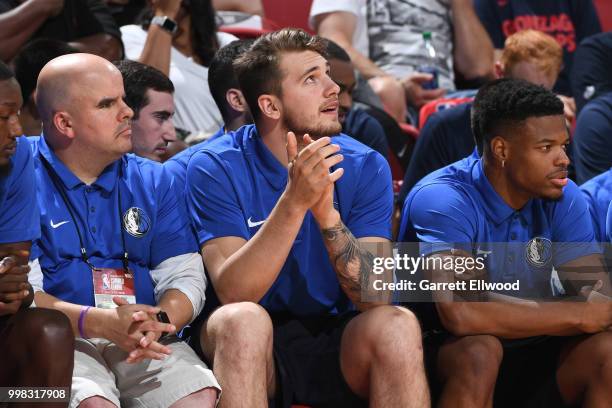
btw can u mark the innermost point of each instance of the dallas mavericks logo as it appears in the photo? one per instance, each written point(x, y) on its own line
point(136, 222)
point(538, 251)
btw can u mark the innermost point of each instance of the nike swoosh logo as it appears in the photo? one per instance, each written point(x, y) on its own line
point(482, 252)
point(59, 224)
point(253, 224)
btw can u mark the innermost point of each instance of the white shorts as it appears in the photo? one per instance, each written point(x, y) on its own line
point(100, 370)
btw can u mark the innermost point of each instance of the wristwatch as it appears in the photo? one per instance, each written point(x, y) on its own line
point(166, 23)
point(163, 318)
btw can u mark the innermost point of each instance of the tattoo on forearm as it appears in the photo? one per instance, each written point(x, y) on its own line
point(351, 263)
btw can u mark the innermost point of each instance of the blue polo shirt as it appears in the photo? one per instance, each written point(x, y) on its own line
point(234, 182)
point(598, 193)
point(160, 231)
point(457, 207)
point(177, 164)
point(19, 215)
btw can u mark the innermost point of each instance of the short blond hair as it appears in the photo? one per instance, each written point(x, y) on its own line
point(535, 47)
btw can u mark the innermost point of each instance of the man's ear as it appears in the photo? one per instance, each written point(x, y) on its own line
point(235, 99)
point(499, 148)
point(63, 123)
point(269, 106)
point(500, 70)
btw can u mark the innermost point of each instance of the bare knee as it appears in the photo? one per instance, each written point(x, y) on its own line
point(50, 329)
point(475, 357)
point(391, 328)
point(96, 402)
point(240, 327)
point(204, 398)
point(602, 356)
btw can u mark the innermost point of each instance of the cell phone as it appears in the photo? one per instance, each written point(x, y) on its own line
point(163, 318)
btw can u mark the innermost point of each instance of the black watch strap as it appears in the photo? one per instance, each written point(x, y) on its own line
point(166, 23)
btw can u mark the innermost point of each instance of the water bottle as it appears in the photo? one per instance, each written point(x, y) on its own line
point(429, 66)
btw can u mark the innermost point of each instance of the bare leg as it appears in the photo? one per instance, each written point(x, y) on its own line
point(237, 340)
point(468, 367)
point(96, 402)
point(381, 357)
point(585, 373)
point(201, 399)
point(46, 337)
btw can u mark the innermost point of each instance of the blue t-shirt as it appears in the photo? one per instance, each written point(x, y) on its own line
point(598, 193)
point(568, 21)
point(457, 207)
point(177, 164)
point(445, 138)
point(234, 182)
point(19, 215)
point(592, 139)
point(590, 75)
point(152, 220)
point(363, 127)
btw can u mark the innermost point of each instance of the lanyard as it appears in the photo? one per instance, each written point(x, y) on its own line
point(68, 205)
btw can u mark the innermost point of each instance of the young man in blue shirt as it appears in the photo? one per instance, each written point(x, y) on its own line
point(41, 337)
point(282, 212)
point(113, 234)
point(517, 194)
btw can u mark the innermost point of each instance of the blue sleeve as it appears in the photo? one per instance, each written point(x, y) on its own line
point(173, 233)
point(592, 153)
point(440, 215)
point(609, 224)
point(598, 224)
point(20, 216)
point(177, 170)
point(573, 234)
point(370, 214)
point(489, 17)
point(212, 201)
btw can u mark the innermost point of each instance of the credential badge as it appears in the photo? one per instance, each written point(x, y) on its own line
point(136, 222)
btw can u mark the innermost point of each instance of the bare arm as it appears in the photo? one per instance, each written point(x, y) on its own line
point(353, 264)
point(339, 27)
point(512, 318)
point(20, 23)
point(473, 49)
point(250, 7)
point(243, 270)
point(157, 47)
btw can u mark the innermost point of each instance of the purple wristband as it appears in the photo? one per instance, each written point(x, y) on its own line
point(84, 311)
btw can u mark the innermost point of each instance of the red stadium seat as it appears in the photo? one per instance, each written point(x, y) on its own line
point(604, 10)
point(244, 32)
point(438, 105)
point(288, 13)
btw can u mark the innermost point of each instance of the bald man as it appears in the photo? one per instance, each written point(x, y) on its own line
point(116, 252)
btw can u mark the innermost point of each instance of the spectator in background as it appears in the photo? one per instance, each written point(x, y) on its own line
point(226, 92)
point(384, 41)
point(28, 63)
point(150, 94)
point(568, 21)
point(86, 25)
point(37, 344)
point(180, 38)
point(592, 138)
point(447, 135)
point(591, 75)
point(355, 122)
